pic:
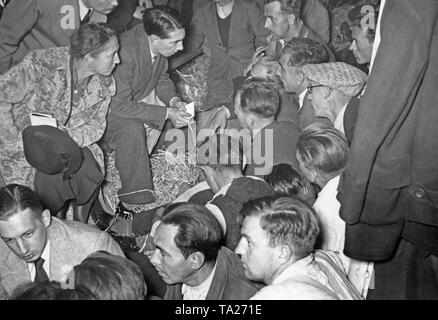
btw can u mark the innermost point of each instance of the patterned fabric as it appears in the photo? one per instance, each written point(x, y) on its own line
point(41, 83)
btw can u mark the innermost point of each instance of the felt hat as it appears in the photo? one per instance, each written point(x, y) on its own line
point(51, 150)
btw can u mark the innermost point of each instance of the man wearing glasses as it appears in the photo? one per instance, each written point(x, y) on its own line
point(332, 89)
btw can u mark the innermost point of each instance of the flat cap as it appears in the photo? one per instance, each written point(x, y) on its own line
point(337, 75)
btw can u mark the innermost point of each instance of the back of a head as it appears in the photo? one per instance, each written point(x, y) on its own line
point(286, 181)
point(287, 221)
point(198, 230)
point(260, 97)
point(51, 290)
point(15, 198)
point(90, 38)
point(110, 277)
point(304, 51)
point(323, 150)
point(221, 152)
point(161, 21)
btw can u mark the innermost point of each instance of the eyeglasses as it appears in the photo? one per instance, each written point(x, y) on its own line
point(310, 87)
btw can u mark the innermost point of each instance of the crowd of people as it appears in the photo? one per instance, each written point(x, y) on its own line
point(318, 176)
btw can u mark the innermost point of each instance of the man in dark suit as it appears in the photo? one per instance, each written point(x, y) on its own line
point(144, 89)
point(389, 196)
point(27, 25)
point(35, 246)
point(232, 30)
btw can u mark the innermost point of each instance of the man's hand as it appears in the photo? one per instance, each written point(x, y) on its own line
point(260, 52)
point(179, 118)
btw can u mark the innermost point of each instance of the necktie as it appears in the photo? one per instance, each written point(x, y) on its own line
point(40, 274)
point(87, 17)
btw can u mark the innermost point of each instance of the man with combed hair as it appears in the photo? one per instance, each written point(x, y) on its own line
point(323, 153)
point(333, 90)
point(145, 97)
point(284, 20)
point(190, 259)
point(256, 105)
point(35, 246)
point(28, 25)
point(296, 54)
point(314, 14)
point(277, 248)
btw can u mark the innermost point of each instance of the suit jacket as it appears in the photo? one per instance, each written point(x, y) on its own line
point(316, 16)
point(390, 185)
point(27, 25)
point(136, 78)
point(227, 62)
point(229, 281)
point(284, 138)
point(70, 243)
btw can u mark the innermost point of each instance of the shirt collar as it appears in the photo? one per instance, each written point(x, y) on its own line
point(153, 55)
point(199, 292)
point(339, 121)
point(83, 9)
point(295, 269)
point(301, 97)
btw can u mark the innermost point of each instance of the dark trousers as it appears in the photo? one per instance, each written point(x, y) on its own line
point(411, 275)
point(127, 137)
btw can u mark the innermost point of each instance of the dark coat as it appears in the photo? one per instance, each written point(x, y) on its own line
point(229, 282)
point(241, 191)
point(284, 139)
point(228, 60)
point(391, 180)
point(136, 77)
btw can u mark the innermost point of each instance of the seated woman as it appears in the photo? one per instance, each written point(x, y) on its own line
point(322, 153)
point(71, 87)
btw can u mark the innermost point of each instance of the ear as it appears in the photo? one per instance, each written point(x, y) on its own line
point(154, 38)
point(291, 19)
point(197, 260)
point(47, 218)
point(285, 254)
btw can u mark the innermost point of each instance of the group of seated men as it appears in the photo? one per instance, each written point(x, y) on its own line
point(264, 223)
